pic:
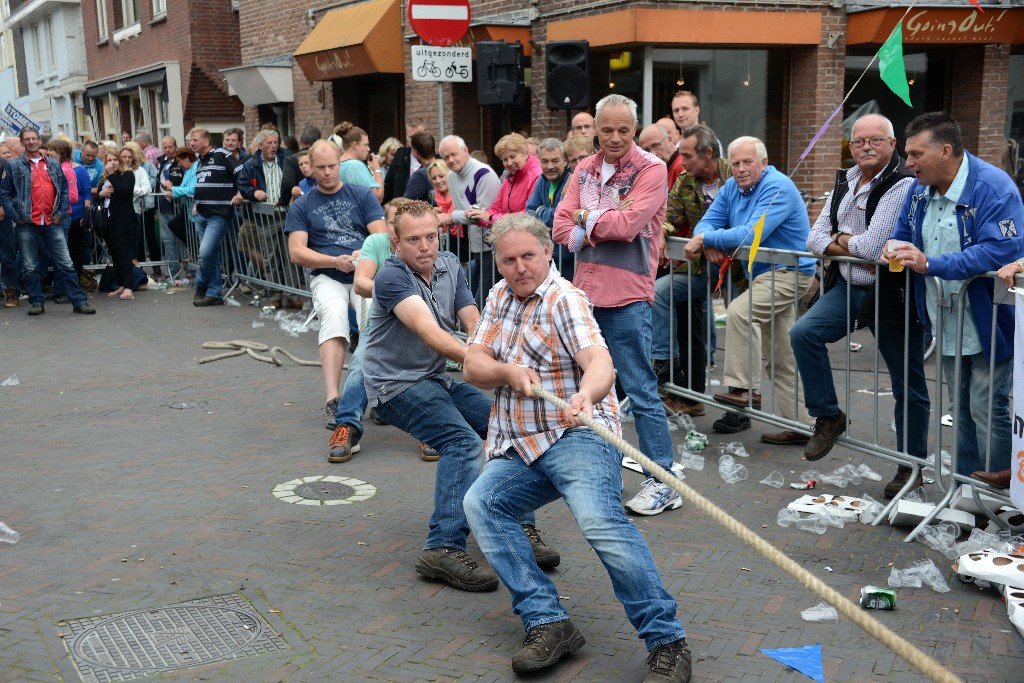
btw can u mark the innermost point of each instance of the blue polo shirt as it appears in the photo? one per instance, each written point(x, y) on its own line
point(336, 224)
point(395, 356)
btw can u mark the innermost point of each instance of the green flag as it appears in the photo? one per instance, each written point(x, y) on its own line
point(890, 64)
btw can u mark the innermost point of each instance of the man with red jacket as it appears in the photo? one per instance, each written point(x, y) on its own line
point(34, 194)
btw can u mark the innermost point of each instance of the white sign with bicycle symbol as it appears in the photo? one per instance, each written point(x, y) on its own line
point(442, 63)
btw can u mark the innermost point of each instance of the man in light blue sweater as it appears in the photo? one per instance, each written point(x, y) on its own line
point(763, 314)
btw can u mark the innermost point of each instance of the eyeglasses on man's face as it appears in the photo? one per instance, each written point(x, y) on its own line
point(874, 142)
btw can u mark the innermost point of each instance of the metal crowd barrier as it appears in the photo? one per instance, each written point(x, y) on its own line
point(263, 249)
point(866, 440)
point(956, 305)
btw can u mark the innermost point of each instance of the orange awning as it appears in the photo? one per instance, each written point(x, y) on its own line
point(352, 41)
point(698, 27)
point(940, 26)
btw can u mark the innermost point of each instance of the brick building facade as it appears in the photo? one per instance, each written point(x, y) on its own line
point(775, 70)
point(155, 65)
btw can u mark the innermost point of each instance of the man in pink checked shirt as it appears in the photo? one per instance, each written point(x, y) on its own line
point(611, 216)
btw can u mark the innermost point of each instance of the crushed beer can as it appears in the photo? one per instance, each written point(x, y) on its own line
point(805, 485)
point(876, 597)
point(695, 441)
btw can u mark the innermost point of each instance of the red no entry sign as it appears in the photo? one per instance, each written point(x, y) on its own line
point(439, 22)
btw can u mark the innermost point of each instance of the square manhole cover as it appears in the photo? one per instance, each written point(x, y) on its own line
point(129, 645)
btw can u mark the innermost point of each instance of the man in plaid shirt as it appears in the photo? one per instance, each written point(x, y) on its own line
point(537, 328)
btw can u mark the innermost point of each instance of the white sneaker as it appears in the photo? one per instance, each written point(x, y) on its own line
point(654, 498)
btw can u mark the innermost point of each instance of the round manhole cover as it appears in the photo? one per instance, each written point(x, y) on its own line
point(324, 490)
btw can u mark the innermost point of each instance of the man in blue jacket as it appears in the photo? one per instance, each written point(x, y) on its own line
point(546, 195)
point(763, 315)
point(963, 218)
point(34, 194)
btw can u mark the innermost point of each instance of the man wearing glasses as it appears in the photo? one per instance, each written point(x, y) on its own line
point(583, 126)
point(857, 220)
point(655, 139)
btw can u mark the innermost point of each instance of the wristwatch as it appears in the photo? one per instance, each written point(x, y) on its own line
point(578, 218)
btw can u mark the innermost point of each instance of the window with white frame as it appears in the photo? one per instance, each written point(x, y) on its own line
point(46, 58)
point(37, 51)
point(50, 53)
point(129, 12)
point(159, 8)
point(101, 18)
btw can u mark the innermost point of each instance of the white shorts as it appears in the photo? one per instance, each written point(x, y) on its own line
point(331, 301)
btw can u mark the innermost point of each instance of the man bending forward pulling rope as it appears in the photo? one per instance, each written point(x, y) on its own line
point(537, 328)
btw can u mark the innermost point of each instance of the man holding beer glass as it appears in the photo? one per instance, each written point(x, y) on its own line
point(963, 218)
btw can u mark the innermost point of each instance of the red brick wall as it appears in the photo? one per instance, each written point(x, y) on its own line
point(202, 37)
point(815, 89)
point(269, 29)
point(976, 97)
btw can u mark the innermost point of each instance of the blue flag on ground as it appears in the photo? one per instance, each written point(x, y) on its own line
point(806, 660)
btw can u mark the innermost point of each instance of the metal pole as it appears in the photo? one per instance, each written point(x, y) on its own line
point(440, 108)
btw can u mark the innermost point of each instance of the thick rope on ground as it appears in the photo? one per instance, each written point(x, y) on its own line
point(239, 347)
point(899, 645)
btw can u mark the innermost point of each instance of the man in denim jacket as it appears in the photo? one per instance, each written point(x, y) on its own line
point(34, 194)
point(962, 219)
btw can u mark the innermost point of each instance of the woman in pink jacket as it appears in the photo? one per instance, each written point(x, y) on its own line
point(523, 170)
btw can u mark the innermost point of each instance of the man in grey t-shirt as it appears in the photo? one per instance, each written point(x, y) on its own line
point(419, 297)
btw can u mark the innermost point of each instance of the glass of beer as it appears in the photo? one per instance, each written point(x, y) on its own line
point(895, 264)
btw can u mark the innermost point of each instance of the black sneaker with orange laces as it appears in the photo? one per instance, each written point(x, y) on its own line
point(344, 443)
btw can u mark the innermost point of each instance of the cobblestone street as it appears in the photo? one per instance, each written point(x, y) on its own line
point(142, 481)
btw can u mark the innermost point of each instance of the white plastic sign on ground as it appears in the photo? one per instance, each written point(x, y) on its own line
point(442, 63)
point(1017, 457)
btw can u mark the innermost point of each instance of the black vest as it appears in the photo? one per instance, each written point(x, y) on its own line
point(892, 287)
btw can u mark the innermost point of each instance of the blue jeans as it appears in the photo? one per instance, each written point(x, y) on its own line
point(452, 420)
point(8, 255)
point(827, 322)
point(352, 405)
point(584, 470)
point(975, 413)
point(65, 277)
point(677, 289)
point(211, 230)
point(627, 331)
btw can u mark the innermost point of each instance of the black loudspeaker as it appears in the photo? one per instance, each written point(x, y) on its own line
point(568, 71)
point(499, 73)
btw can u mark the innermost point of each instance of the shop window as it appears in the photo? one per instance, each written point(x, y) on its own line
point(730, 85)
point(138, 120)
point(163, 119)
point(101, 18)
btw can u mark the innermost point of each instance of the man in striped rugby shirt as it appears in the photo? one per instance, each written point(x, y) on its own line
point(215, 197)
